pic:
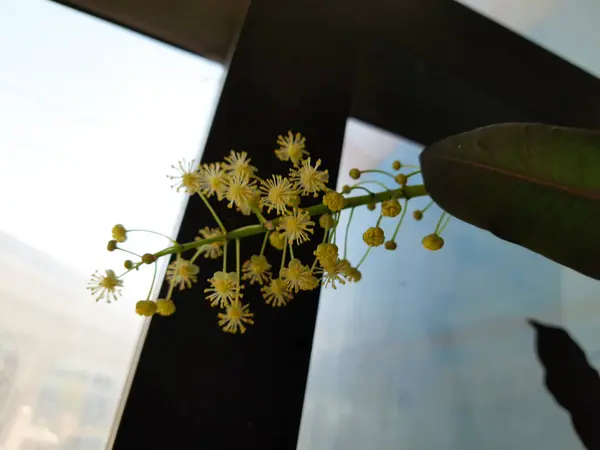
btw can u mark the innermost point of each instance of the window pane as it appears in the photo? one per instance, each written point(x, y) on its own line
point(430, 350)
point(564, 27)
point(92, 117)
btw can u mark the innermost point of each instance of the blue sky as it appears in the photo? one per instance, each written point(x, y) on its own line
point(92, 117)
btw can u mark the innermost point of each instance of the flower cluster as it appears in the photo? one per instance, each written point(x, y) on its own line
point(288, 207)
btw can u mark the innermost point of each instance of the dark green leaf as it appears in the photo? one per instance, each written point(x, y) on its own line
point(535, 185)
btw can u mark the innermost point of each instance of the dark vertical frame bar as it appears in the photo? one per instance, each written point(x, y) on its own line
point(195, 386)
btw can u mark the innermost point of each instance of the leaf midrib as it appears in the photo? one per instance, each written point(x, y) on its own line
point(590, 195)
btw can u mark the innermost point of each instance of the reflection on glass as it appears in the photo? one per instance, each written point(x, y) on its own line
point(561, 26)
point(431, 350)
point(89, 113)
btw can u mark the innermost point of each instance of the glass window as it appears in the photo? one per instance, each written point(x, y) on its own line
point(567, 28)
point(92, 118)
point(431, 350)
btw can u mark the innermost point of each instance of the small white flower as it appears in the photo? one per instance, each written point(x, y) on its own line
point(182, 273)
point(225, 287)
point(106, 286)
point(189, 178)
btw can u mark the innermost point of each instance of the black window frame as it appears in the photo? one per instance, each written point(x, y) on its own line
point(422, 69)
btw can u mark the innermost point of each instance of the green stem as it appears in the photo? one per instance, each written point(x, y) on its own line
point(291, 251)
point(427, 207)
point(443, 227)
point(172, 282)
point(362, 188)
point(283, 255)
point(439, 222)
point(128, 251)
point(195, 257)
point(364, 257)
point(416, 172)
point(347, 230)
point(212, 211)
point(316, 210)
point(334, 232)
point(377, 171)
point(259, 215)
point(153, 232)
point(225, 257)
point(314, 264)
point(264, 244)
point(400, 221)
point(369, 248)
point(135, 266)
point(237, 264)
point(153, 280)
point(237, 257)
point(378, 183)
point(171, 286)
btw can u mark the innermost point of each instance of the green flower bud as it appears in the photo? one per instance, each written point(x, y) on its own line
point(326, 221)
point(391, 245)
point(401, 179)
point(148, 258)
point(433, 242)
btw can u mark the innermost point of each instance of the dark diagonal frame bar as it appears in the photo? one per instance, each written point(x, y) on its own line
point(196, 386)
point(432, 68)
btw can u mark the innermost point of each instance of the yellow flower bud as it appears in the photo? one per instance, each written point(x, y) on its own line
point(165, 307)
point(111, 246)
point(391, 245)
point(119, 233)
point(145, 308)
point(433, 242)
point(355, 174)
point(294, 201)
point(326, 221)
point(148, 258)
point(327, 254)
point(351, 273)
point(374, 236)
point(391, 208)
point(396, 165)
point(401, 179)
point(417, 214)
point(334, 201)
point(277, 240)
